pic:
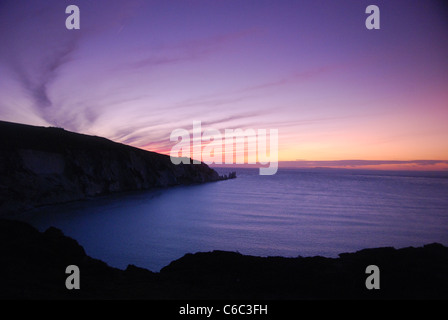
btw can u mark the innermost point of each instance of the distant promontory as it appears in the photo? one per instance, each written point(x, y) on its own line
point(48, 165)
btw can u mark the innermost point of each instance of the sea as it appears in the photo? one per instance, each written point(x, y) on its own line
point(296, 212)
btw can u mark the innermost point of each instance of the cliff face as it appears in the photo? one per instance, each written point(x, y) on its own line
point(40, 166)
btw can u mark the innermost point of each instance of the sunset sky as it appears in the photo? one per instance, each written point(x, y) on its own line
point(136, 70)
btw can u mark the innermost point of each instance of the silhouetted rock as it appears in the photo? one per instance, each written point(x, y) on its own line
point(40, 166)
point(33, 264)
point(231, 175)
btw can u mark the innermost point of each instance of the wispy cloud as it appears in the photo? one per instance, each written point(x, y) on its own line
point(35, 50)
point(38, 49)
point(37, 84)
point(189, 50)
point(154, 135)
point(296, 77)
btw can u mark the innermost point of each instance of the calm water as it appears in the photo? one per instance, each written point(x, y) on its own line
point(295, 212)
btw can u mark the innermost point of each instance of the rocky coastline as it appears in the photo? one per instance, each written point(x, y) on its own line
point(46, 165)
point(33, 266)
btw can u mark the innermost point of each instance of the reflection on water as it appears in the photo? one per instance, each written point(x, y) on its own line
point(295, 212)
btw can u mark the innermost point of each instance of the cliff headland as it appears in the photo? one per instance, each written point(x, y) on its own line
point(47, 165)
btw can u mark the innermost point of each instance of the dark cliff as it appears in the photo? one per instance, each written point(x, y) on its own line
point(40, 166)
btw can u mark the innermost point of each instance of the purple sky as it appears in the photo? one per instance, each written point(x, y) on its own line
point(136, 70)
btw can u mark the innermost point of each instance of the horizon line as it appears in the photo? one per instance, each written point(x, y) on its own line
point(387, 165)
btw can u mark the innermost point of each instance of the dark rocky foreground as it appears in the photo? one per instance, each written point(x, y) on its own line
point(41, 166)
point(33, 264)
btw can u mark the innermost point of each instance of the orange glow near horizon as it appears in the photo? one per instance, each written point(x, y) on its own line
point(412, 164)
